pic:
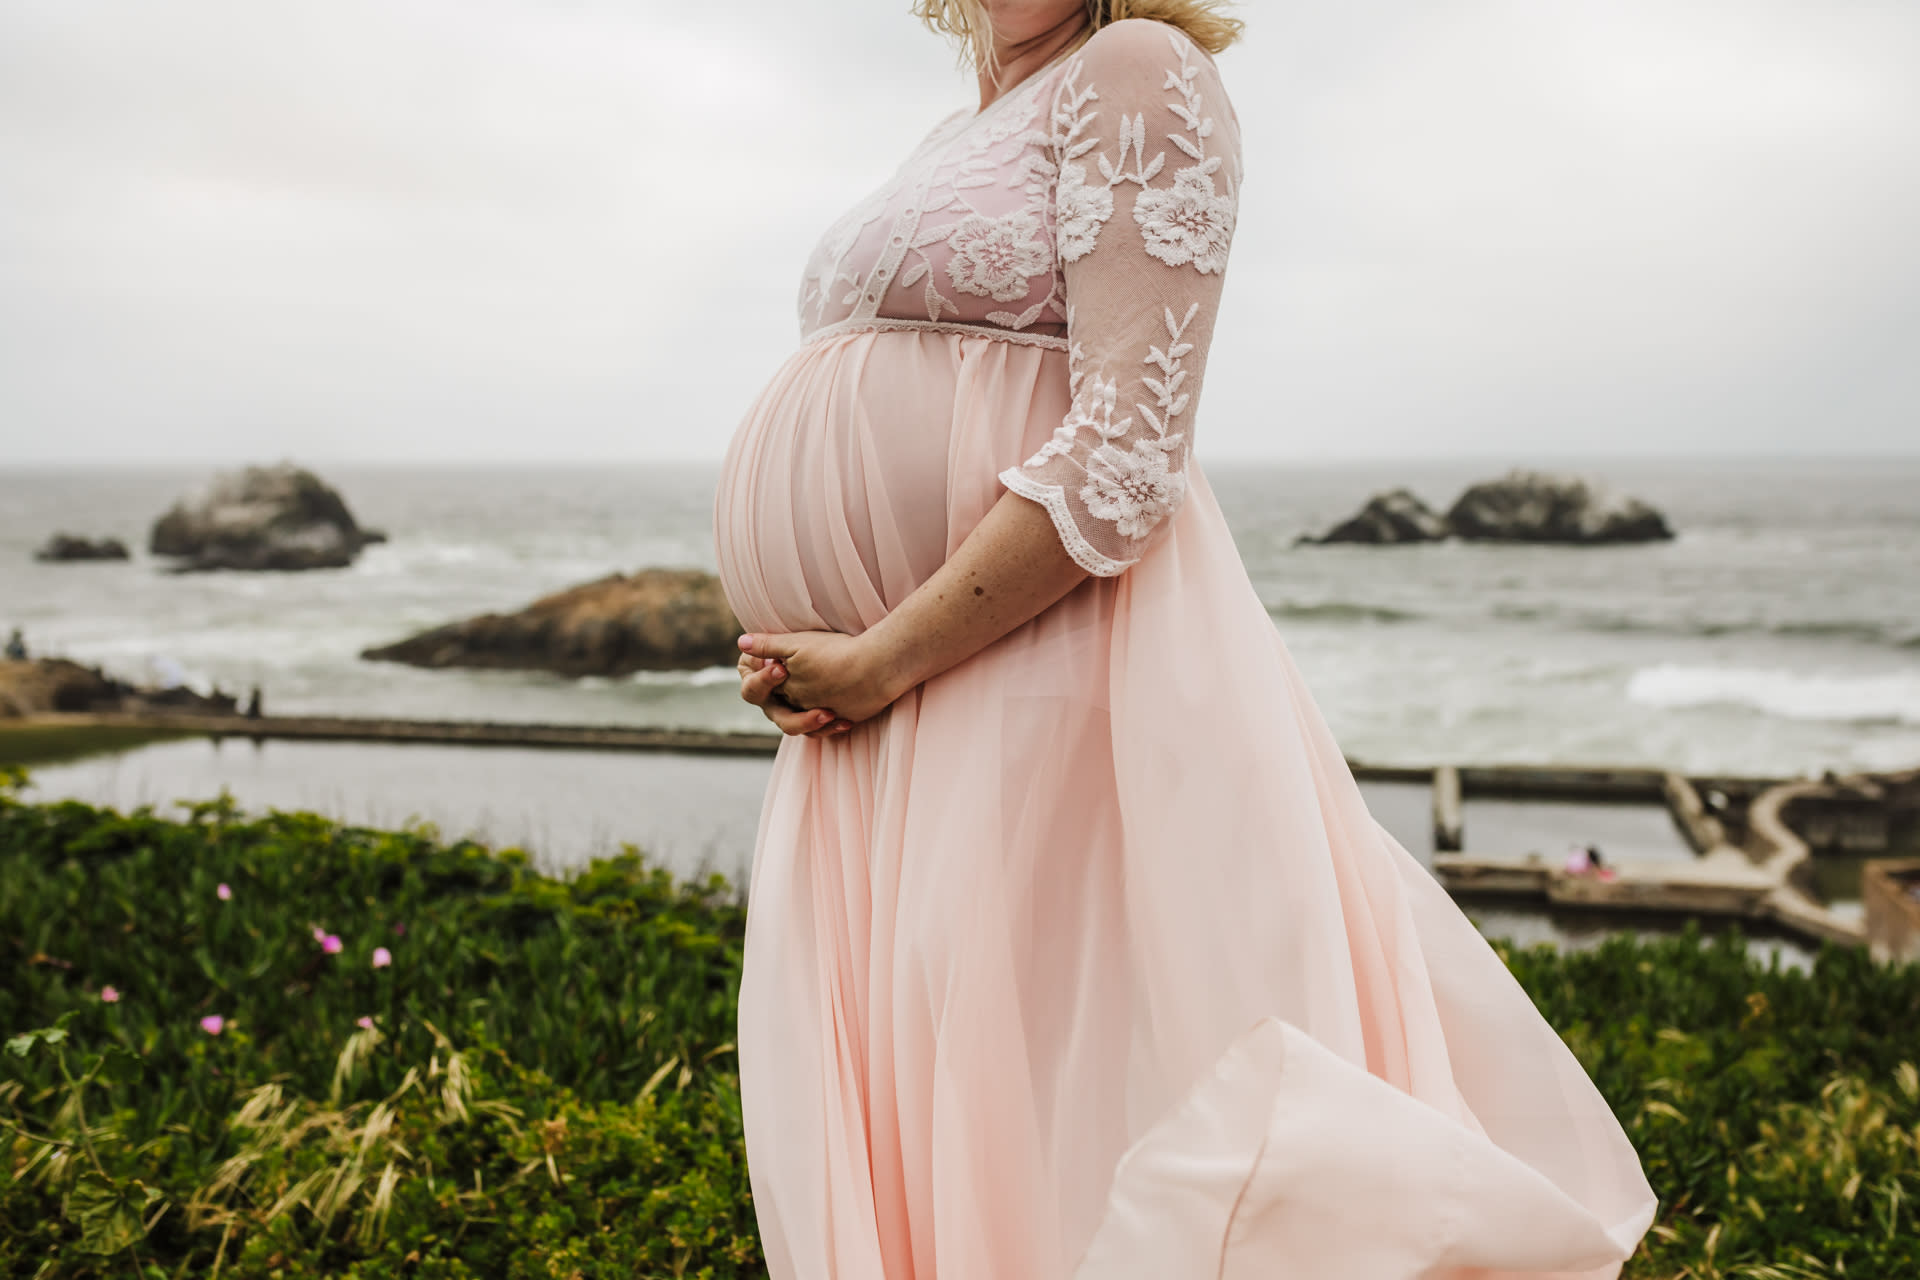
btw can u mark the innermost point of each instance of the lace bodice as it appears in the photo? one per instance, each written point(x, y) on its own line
point(1099, 195)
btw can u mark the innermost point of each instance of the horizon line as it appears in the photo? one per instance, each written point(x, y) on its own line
point(1509, 457)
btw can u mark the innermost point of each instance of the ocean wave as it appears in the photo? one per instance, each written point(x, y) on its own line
point(1842, 629)
point(1860, 631)
point(697, 679)
point(1339, 611)
point(1881, 698)
point(406, 559)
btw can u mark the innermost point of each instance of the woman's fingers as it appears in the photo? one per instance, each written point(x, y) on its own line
point(767, 646)
point(818, 723)
point(758, 686)
point(789, 721)
point(759, 681)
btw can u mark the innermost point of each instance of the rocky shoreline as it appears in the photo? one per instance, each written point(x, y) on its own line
point(41, 686)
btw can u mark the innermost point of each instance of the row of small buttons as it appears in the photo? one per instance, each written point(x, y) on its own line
point(899, 238)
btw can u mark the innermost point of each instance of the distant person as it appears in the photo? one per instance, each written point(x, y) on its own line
point(1583, 860)
point(1600, 868)
point(16, 646)
point(253, 704)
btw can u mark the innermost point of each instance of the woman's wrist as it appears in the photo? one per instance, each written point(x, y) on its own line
point(1008, 569)
point(890, 660)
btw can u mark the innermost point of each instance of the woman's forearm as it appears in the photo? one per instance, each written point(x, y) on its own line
point(1007, 570)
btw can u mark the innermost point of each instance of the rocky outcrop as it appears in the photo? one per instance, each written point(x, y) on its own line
point(653, 620)
point(42, 685)
point(1521, 506)
point(281, 517)
point(1394, 516)
point(65, 546)
point(1532, 506)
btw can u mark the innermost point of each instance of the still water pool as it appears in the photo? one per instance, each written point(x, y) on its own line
point(696, 814)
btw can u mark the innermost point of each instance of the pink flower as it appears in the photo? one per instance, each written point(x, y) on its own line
point(382, 957)
point(331, 944)
point(319, 934)
point(110, 995)
point(222, 892)
point(213, 1024)
point(365, 1024)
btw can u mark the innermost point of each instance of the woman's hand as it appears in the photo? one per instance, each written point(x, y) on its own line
point(759, 685)
point(824, 669)
point(1008, 569)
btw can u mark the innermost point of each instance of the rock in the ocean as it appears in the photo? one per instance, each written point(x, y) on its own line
point(1397, 515)
point(279, 517)
point(41, 685)
point(65, 546)
point(1532, 506)
point(653, 620)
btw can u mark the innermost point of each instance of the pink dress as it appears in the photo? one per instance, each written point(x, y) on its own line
point(1086, 958)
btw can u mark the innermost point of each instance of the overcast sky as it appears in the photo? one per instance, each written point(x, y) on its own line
point(492, 230)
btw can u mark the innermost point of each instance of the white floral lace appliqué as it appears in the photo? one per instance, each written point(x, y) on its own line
point(1188, 223)
point(1083, 210)
point(1134, 477)
point(1134, 490)
point(996, 257)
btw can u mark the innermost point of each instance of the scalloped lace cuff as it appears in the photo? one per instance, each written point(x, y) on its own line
point(1054, 499)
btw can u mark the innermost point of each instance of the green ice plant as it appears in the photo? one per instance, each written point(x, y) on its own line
point(297, 1159)
point(1777, 1113)
point(280, 1046)
point(217, 958)
point(112, 1214)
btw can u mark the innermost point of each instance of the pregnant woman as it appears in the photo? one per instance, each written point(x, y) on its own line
point(1072, 948)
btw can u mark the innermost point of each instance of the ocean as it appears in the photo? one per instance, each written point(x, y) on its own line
point(1778, 634)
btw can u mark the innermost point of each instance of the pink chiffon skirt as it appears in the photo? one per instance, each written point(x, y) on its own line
point(1086, 958)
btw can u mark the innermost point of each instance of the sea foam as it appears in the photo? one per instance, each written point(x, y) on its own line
point(1888, 697)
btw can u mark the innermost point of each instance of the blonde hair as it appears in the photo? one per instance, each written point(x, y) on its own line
point(967, 21)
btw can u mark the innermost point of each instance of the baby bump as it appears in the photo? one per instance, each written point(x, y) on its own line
point(865, 461)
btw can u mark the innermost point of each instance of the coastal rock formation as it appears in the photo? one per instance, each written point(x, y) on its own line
point(66, 546)
point(42, 685)
point(1521, 506)
point(1532, 506)
point(279, 517)
point(1394, 516)
point(653, 620)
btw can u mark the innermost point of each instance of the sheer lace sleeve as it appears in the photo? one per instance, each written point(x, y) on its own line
point(1148, 176)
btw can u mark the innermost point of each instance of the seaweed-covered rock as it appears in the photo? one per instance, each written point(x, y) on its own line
point(66, 546)
point(281, 517)
point(1533, 506)
point(1398, 515)
point(653, 620)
